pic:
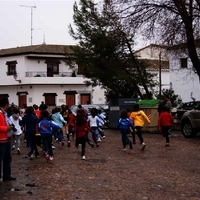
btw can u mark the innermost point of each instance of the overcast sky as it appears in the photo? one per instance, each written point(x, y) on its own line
point(50, 21)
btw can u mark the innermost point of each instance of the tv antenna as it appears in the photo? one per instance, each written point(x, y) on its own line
point(31, 20)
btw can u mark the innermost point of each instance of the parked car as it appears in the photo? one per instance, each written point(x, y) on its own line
point(190, 122)
point(191, 105)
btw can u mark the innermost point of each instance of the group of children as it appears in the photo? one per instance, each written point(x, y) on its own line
point(133, 122)
point(40, 128)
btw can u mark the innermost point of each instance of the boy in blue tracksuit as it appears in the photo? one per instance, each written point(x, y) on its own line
point(125, 124)
point(45, 128)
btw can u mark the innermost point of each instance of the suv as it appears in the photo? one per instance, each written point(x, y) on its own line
point(190, 122)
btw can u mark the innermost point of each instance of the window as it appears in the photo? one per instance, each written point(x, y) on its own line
point(50, 99)
point(183, 62)
point(52, 67)
point(11, 67)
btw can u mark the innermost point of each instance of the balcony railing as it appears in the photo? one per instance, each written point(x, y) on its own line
point(44, 74)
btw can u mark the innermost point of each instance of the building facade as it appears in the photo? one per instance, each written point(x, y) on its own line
point(157, 58)
point(36, 73)
point(185, 82)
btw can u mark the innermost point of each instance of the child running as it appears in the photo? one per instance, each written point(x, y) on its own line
point(81, 127)
point(15, 118)
point(45, 128)
point(93, 121)
point(124, 124)
point(138, 117)
point(70, 121)
point(165, 121)
point(58, 119)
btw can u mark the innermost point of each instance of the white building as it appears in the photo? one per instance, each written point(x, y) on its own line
point(185, 81)
point(157, 57)
point(36, 73)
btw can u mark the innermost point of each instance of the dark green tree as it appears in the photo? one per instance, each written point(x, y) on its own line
point(105, 51)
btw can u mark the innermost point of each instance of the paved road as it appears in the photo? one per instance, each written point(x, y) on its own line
point(109, 173)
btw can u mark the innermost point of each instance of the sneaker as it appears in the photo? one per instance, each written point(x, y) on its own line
point(13, 147)
point(18, 151)
point(29, 153)
point(31, 157)
point(56, 140)
point(53, 147)
point(104, 137)
point(98, 140)
point(131, 146)
point(47, 156)
point(83, 157)
point(69, 144)
point(167, 144)
point(143, 146)
point(51, 158)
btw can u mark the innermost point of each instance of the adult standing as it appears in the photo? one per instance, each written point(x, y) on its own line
point(168, 103)
point(5, 141)
point(43, 106)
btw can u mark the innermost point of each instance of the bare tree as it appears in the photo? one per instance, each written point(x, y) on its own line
point(169, 22)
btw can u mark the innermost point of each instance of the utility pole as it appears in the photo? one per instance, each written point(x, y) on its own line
point(160, 78)
point(31, 20)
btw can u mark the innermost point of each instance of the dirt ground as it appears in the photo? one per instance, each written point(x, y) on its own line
point(110, 173)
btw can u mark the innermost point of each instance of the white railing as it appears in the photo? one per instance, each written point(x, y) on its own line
point(44, 74)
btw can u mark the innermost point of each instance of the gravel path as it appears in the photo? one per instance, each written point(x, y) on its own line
point(109, 173)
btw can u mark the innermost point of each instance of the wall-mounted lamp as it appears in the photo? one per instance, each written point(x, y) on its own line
point(16, 77)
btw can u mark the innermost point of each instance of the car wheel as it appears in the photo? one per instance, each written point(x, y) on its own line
point(187, 129)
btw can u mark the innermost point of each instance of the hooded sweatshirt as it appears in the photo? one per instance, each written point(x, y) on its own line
point(45, 126)
point(15, 118)
point(58, 119)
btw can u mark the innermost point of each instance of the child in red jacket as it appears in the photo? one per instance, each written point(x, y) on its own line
point(80, 128)
point(165, 122)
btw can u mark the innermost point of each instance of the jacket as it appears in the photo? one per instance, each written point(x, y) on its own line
point(58, 119)
point(3, 128)
point(165, 119)
point(30, 122)
point(138, 117)
point(45, 126)
point(80, 130)
point(15, 118)
point(125, 124)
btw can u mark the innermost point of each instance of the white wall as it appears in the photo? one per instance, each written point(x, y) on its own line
point(35, 93)
point(184, 81)
point(36, 86)
point(152, 52)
